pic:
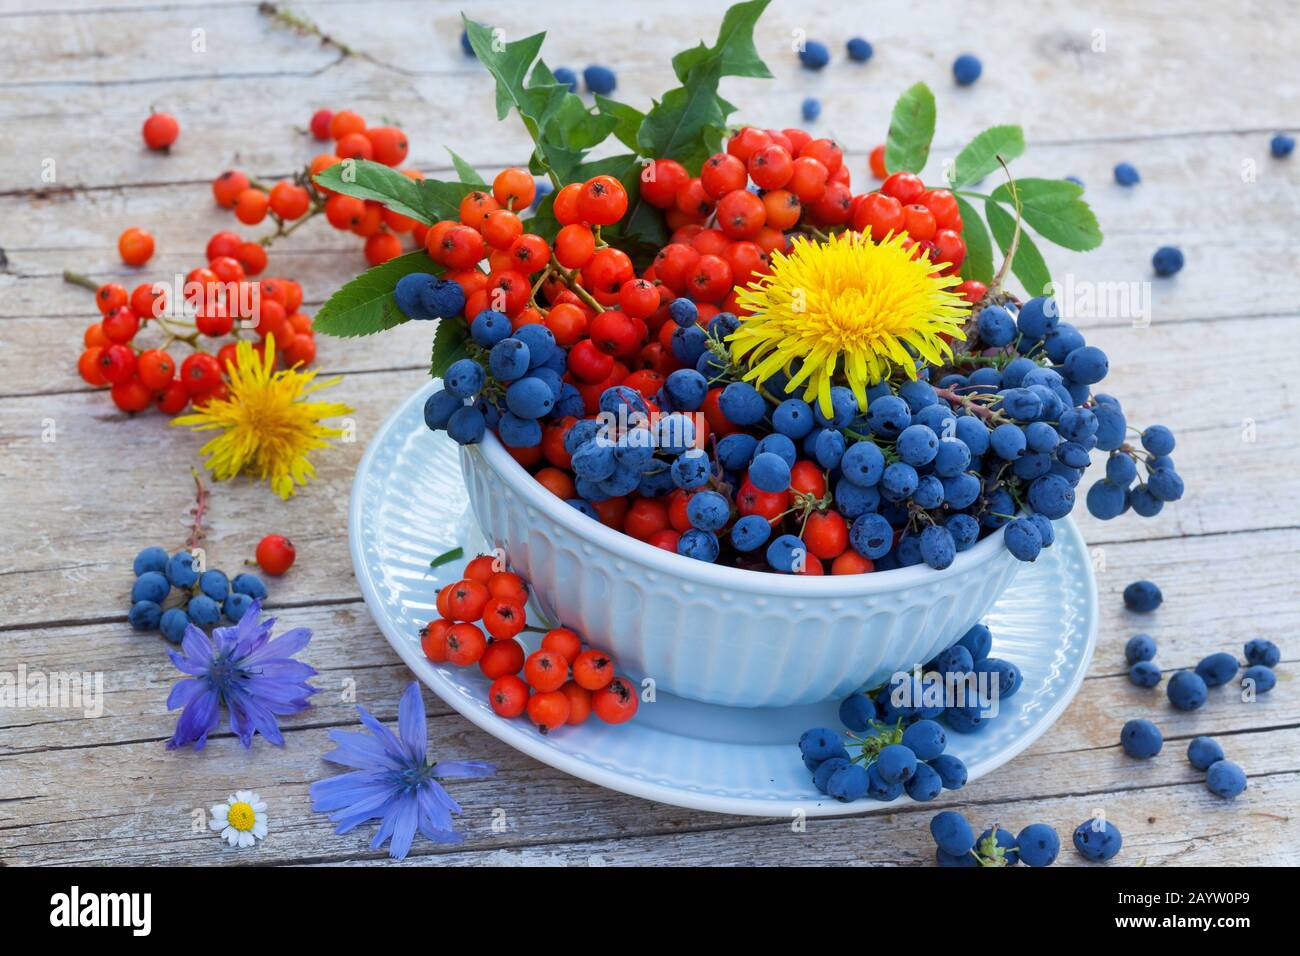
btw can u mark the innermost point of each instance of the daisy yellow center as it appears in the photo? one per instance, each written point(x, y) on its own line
point(241, 816)
point(846, 311)
point(267, 425)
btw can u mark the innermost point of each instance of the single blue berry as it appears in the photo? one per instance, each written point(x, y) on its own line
point(150, 559)
point(1038, 844)
point(1167, 261)
point(700, 545)
point(750, 532)
point(951, 771)
point(996, 327)
point(467, 425)
point(540, 341)
point(1142, 597)
point(249, 584)
point(769, 472)
point(895, 763)
point(1225, 779)
point(1281, 145)
point(442, 298)
point(1262, 652)
point(858, 710)
point(1204, 752)
point(814, 55)
point(1140, 647)
point(214, 584)
point(848, 783)
point(516, 432)
point(1126, 174)
point(925, 738)
point(1258, 678)
point(859, 50)
point(236, 606)
point(978, 641)
point(180, 570)
point(810, 109)
point(966, 69)
point(151, 586)
point(490, 327)
point(599, 79)
point(1186, 690)
point(203, 611)
point(145, 615)
point(439, 407)
point(1217, 669)
point(1141, 739)
point(708, 511)
point(409, 295)
point(1097, 839)
point(1023, 540)
point(566, 76)
point(822, 743)
point(787, 554)
point(925, 785)
point(173, 623)
point(686, 389)
point(1144, 674)
point(530, 397)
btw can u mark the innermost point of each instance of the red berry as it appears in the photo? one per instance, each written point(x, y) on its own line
point(723, 173)
point(850, 562)
point(433, 640)
point(880, 215)
point(503, 619)
point(508, 696)
point(564, 642)
point(514, 188)
point(467, 601)
point(501, 658)
point(771, 167)
point(877, 162)
point(508, 586)
point(589, 364)
point(579, 702)
point(747, 141)
point(905, 187)
point(275, 553)
point(155, 368)
point(615, 703)
point(465, 644)
point(320, 123)
point(132, 395)
point(160, 130)
point(227, 187)
point(548, 710)
point(88, 367)
point(546, 670)
point(135, 246)
point(593, 669)
point(173, 399)
point(660, 181)
point(602, 201)
point(120, 325)
point(740, 215)
point(918, 222)
point(826, 534)
point(117, 363)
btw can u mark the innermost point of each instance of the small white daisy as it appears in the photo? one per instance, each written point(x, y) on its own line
point(241, 820)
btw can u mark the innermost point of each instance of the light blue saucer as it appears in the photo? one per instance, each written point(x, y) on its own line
point(409, 505)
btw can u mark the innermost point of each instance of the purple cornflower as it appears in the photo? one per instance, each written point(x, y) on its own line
point(256, 678)
point(393, 780)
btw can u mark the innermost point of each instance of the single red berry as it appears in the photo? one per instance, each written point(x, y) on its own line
point(275, 554)
point(503, 619)
point(481, 568)
point(616, 702)
point(135, 246)
point(120, 325)
point(546, 670)
point(501, 658)
point(564, 642)
point(433, 640)
point(155, 368)
point(579, 702)
point(593, 669)
point(723, 173)
point(602, 201)
point(877, 162)
point(160, 130)
point(465, 644)
point(467, 601)
point(117, 363)
point(320, 123)
point(110, 296)
point(508, 696)
point(173, 399)
point(548, 710)
point(905, 187)
point(132, 395)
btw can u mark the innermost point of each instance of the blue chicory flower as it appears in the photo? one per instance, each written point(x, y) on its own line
point(393, 781)
point(242, 669)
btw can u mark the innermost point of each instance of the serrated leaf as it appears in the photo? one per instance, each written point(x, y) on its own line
point(978, 263)
point(627, 119)
point(1028, 265)
point(509, 65)
point(979, 157)
point(365, 179)
point(1055, 210)
point(466, 172)
point(686, 124)
point(449, 340)
point(365, 305)
point(735, 49)
point(911, 129)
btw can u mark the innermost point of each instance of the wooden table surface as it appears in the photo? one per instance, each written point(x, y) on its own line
point(1191, 99)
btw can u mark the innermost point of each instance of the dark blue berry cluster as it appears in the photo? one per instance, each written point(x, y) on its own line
point(199, 598)
point(956, 844)
point(1223, 778)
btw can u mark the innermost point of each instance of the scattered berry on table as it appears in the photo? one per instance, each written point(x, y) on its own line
point(1126, 174)
point(161, 129)
point(599, 79)
point(1038, 845)
point(1257, 651)
point(1167, 261)
point(1140, 647)
point(952, 834)
point(1097, 840)
point(810, 109)
point(1142, 596)
point(814, 55)
point(1186, 690)
point(566, 76)
point(966, 69)
point(1141, 739)
point(1203, 752)
point(275, 554)
point(1217, 669)
point(1258, 678)
point(1281, 145)
point(859, 50)
point(1225, 779)
point(1144, 674)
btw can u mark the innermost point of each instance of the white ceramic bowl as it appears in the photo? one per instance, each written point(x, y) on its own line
point(718, 634)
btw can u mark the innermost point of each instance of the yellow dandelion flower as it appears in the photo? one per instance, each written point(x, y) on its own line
point(846, 306)
point(267, 426)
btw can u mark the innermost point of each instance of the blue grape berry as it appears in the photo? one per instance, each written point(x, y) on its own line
point(996, 327)
point(951, 770)
point(1204, 752)
point(180, 570)
point(1217, 669)
point(1126, 174)
point(1225, 779)
point(214, 584)
point(145, 615)
point(173, 623)
point(895, 763)
point(1262, 652)
point(810, 109)
point(1281, 145)
point(769, 472)
point(599, 79)
point(848, 783)
point(566, 76)
point(1097, 840)
point(978, 641)
point(814, 55)
point(925, 785)
point(249, 584)
point(822, 743)
point(1142, 597)
point(858, 710)
point(1140, 647)
point(1259, 678)
point(925, 739)
point(966, 69)
point(203, 611)
point(860, 51)
point(1039, 845)
point(236, 605)
point(1023, 540)
point(150, 586)
point(1141, 739)
point(826, 769)
point(750, 532)
point(700, 545)
point(1186, 690)
point(996, 843)
point(1167, 261)
point(150, 559)
point(1144, 674)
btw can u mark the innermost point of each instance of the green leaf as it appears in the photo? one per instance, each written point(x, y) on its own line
point(978, 263)
point(447, 557)
point(509, 66)
point(911, 128)
point(466, 172)
point(1028, 265)
point(365, 305)
point(627, 119)
point(366, 179)
point(449, 340)
point(442, 199)
point(979, 157)
point(735, 47)
point(1056, 211)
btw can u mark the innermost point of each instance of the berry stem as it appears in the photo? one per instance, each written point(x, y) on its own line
point(578, 290)
point(998, 279)
point(197, 531)
point(76, 278)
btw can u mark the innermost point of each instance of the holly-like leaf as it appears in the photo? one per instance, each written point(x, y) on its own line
point(735, 46)
point(627, 119)
point(1028, 264)
point(449, 340)
point(1055, 210)
point(365, 305)
point(466, 172)
point(911, 129)
point(366, 179)
point(978, 263)
point(980, 156)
